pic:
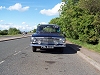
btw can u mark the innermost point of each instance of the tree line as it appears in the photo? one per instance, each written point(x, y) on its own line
point(80, 20)
point(11, 31)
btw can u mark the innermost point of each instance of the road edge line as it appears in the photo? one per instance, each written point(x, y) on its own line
point(88, 59)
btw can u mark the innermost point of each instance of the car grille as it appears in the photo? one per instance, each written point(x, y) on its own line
point(48, 40)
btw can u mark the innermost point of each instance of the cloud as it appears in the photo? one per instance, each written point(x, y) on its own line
point(23, 22)
point(23, 27)
point(20, 27)
point(53, 11)
point(18, 7)
point(5, 26)
point(1, 7)
point(43, 23)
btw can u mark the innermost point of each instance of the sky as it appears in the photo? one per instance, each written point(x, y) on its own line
point(25, 15)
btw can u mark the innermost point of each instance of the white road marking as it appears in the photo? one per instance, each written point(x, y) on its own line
point(13, 54)
point(2, 61)
point(17, 52)
point(91, 61)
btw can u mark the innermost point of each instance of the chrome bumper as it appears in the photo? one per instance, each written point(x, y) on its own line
point(47, 46)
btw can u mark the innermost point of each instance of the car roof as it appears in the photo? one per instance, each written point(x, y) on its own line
point(47, 24)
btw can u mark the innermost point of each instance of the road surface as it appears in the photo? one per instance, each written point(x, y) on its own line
point(17, 58)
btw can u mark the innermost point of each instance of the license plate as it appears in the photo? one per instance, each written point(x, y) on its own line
point(46, 47)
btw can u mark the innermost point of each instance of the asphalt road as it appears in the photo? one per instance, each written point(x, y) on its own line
point(17, 58)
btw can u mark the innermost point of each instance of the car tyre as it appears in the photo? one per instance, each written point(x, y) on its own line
point(34, 49)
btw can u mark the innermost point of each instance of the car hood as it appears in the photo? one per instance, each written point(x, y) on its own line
point(47, 35)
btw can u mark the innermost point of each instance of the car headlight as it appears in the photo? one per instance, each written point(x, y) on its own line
point(63, 40)
point(33, 39)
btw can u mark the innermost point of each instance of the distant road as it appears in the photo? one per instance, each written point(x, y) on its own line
point(9, 37)
point(17, 58)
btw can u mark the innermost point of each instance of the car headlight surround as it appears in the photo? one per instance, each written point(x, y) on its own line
point(33, 39)
point(62, 40)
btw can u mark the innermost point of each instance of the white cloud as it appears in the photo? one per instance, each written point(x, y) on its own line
point(43, 23)
point(23, 27)
point(1, 7)
point(23, 22)
point(20, 27)
point(5, 26)
point(18, 7)
point(53, 11)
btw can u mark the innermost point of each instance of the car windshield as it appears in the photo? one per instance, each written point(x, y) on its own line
point(48, 28)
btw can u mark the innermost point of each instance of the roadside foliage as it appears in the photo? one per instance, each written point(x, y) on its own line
point(13, 31)
point(3, 32)
point(80, 20)
point(10, 31)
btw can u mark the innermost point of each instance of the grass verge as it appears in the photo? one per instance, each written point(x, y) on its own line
point(95, 48)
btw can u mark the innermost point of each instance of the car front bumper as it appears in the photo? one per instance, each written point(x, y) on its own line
point(48, 46)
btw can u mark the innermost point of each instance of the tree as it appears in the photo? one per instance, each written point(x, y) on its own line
point(3, 32)
point(34, 30)
point(54, 21)
point(92, 18)
point(13, 31)
point(80, 20)
point(93, 6)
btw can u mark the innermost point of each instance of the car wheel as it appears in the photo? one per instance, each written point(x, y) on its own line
point(34, 49)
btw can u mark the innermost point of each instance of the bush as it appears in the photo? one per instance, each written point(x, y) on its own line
point(4, 32)
point(80, 23)
point(13, 31)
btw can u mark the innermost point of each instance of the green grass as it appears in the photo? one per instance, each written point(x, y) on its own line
point(95, 48)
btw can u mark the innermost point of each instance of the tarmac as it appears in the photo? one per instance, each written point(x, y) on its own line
point(13, 37)
point(90, 56)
